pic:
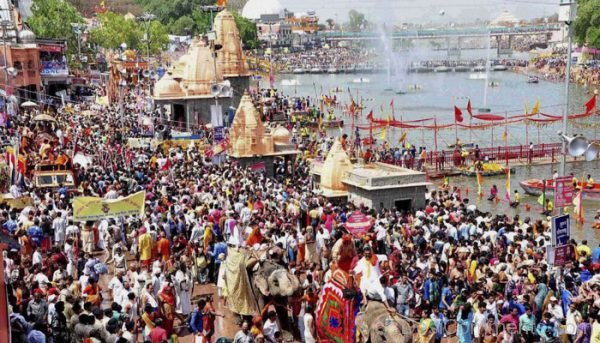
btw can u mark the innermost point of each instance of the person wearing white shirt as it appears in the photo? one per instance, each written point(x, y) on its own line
point(115, 284)
point(36, 258)
point(368, 270)
point(271, 327)
point(556, 309)
point(59, 225)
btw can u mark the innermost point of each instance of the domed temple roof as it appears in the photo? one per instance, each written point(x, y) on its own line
point(247, 134)
point(230, 58)
point(167, 87)
point(336, 164)
point(199, 73)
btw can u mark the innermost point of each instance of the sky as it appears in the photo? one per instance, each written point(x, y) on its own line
point(424, 11)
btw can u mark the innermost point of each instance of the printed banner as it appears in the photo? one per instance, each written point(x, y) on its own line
point(94, 208)
point(563, 191)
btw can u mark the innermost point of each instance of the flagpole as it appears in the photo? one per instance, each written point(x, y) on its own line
point(506, 136)
point(469, 109)
point(435, 145)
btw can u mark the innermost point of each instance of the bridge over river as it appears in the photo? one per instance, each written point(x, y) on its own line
point(453, 36)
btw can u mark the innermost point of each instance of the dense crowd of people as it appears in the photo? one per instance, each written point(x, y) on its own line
point(451, 268)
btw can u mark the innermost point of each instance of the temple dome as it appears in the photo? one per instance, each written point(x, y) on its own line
point(167, 87)
point(26, 36)
point(230, 58)
point(254, 8)
point(199, 73)
point(247, 133)
point(281, 135)
point(336, 164)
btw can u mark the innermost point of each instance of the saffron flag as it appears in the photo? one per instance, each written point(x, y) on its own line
point(469, 108)
point(392, 103)
point(402, 137)
point(536, 107)
point(458, 115)
point(578, 207)
point(370, 116)
point(505, 135)
point(382, 135)
point(479, 182)
point(590, 105)
point(508, 185)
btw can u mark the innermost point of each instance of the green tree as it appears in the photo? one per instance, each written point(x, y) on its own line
point(586, 29)
point(168, 11)
point(115, 30)
point(356, 21)
point(247, 30)
point(52, 19)
point(330, 23)
point(159, 37)
point(202, 22)
point(183, 26)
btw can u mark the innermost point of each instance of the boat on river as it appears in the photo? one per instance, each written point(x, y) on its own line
point(361, 80)
point(533, 79)
point(290, 82)
point(442, 69)
point(298, 71)
point(499, 67)
point(536, 187)
point(478, 76)
point(461, 68)
point(333, 123)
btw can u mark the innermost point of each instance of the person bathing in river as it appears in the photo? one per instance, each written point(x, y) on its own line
point(493, 193)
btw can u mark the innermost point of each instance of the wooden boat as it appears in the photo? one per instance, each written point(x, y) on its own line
point(473, 173)
point(499, 67)
point(442, 69)
point(463, 145)
point(536, 186)
point(335, 123)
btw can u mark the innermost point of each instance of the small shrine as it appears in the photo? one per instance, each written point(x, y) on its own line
point(376, 185)
point(253, 145)
point(185, 94)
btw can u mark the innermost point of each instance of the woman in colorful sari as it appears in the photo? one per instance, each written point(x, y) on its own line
point(93, 292)
point(166, 298)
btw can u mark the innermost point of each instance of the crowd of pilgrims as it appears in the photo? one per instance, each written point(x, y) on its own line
point(458, 272)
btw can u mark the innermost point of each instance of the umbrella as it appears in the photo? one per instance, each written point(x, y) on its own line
point(82, 160)
point(44, 117)
point(358, 224)
point(27, 104)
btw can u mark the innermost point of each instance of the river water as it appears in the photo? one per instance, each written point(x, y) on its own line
point(438, 93)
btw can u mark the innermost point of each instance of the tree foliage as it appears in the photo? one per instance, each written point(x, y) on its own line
point(52, 19)
point(115, 30)
point(356, 21)
point(185, 17)
point(247, 30)
point(586, 29)
point(168, 11)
